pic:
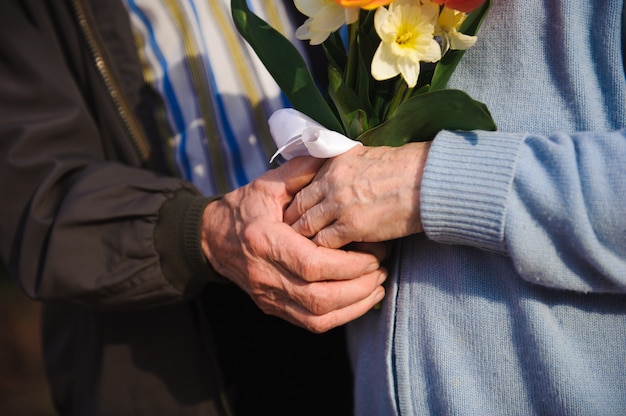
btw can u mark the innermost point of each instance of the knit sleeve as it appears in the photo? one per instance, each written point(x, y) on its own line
point(554, 204)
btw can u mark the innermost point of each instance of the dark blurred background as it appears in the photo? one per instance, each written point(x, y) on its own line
point(23, 388)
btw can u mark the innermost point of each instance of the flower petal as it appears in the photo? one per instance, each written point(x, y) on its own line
point(327, 19)
point(352, 15)
point(433, 54)
point(330, 18)
point(460, 41)
point(310, 8)
point(386, 31)
point(410, 72)
point(384, 63)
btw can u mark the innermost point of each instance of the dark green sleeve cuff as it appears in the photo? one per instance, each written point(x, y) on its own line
point(178, 241)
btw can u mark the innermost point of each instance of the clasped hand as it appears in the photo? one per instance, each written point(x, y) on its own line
point(368, 194)
point(246, 239)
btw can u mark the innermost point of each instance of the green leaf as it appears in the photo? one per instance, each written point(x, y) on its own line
point(451, 59)
point(363, 78)
point(355, 111)
point(285, 64)
point(335, 51)
point(422, 116)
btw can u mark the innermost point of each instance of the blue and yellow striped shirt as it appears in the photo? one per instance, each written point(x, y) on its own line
point(216, 93)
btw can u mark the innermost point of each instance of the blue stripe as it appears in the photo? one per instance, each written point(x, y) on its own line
point(285, 100)
point(233, 146)
point(168, 91)
point(230, 139)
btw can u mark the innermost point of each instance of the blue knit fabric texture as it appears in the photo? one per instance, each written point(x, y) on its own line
point(513, 302)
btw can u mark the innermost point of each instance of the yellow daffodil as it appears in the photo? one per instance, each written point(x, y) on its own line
point(448, 28)
point(406, 30)
point(324, 17)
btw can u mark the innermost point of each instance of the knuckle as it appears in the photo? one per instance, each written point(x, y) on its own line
point(343, 198)
point(304, 224)
point(298, 203)
point(254, 239)
point(351, 226)
point(269, 302)
point(352, 218)
point(257, 185)
point(321, 297)
point(317, 325)
point(311, 269)
point(318, 305)
point(324, 239)
point(266, 308)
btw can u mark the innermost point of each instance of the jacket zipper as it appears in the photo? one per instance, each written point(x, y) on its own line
point(139, 141)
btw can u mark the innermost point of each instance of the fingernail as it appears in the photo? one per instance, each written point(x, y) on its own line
point(380, 295)
point(373, 267)
point(382, 278)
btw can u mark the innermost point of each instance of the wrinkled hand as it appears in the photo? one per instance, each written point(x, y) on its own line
point(366, 194)
point(286, 274)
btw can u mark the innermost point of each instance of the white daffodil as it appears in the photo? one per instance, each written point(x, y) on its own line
point(324, 18)
point(406, 30)
point(448, 28)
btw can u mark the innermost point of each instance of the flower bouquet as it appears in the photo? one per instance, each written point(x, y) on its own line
point(387, 70)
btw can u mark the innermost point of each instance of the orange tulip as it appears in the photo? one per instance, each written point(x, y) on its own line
point(461, 5)
point(364, 4)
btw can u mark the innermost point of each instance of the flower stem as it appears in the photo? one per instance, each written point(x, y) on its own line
point(350, 75)
point(402, 93)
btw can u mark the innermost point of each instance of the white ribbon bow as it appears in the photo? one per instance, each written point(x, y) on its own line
point(296, 134)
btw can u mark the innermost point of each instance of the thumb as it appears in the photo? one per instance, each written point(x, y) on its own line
point(298, 172)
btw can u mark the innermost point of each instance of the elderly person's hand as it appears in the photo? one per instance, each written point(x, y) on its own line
point(368, 194)
point(246, 240)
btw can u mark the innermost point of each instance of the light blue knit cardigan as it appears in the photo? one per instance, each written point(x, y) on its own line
point(514, 301)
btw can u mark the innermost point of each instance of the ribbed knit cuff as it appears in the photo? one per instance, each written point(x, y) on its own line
point(466, 183)
point(177, 238)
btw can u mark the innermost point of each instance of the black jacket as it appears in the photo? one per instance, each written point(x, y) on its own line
point(95, 225)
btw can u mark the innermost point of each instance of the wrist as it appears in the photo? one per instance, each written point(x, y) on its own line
point(212, 230)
